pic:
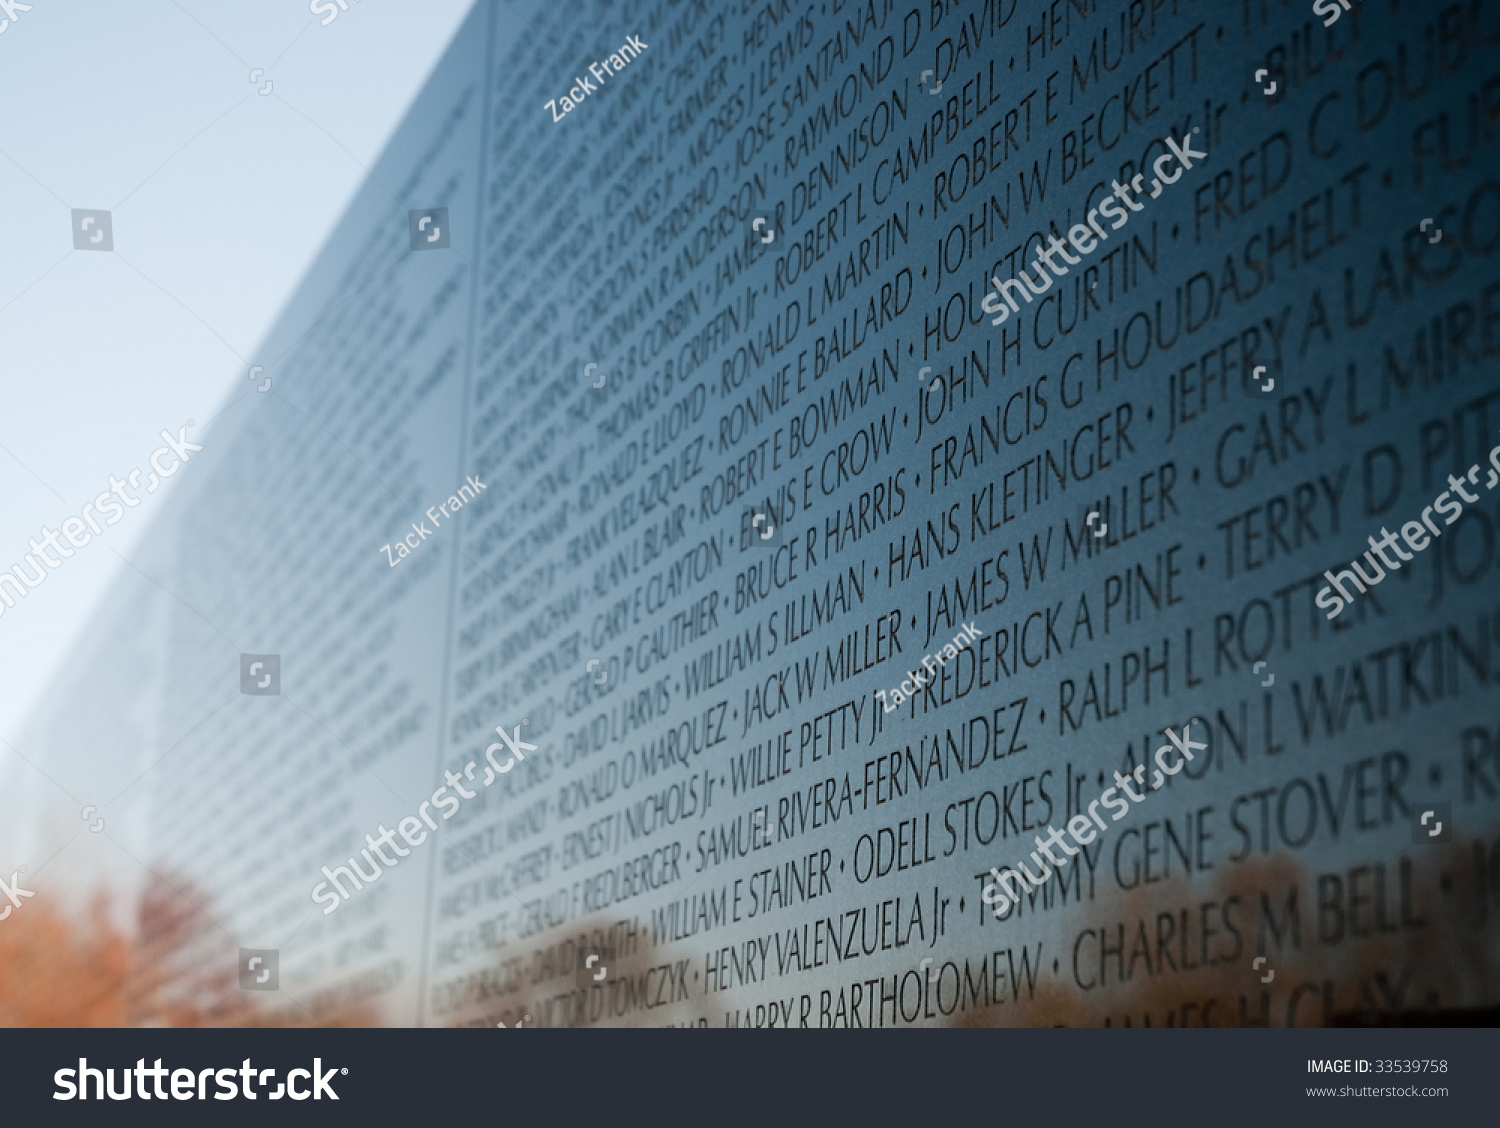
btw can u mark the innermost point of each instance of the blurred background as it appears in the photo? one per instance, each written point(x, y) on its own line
point(223, 190)
point(221, 197)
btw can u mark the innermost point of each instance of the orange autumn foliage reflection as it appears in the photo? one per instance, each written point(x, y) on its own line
point(178, 969)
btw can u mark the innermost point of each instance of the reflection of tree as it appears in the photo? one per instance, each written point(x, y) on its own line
point(1436, 963)
point(179, 969)
point(549, 982)
point(1425, 955)
point(56, 972)
point(1413, 939)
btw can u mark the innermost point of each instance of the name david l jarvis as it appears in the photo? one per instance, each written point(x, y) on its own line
point(582, 87)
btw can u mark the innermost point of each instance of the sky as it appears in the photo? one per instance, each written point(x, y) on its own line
point(221, 191)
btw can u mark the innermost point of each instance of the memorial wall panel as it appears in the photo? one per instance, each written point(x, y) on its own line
point(843, 454)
